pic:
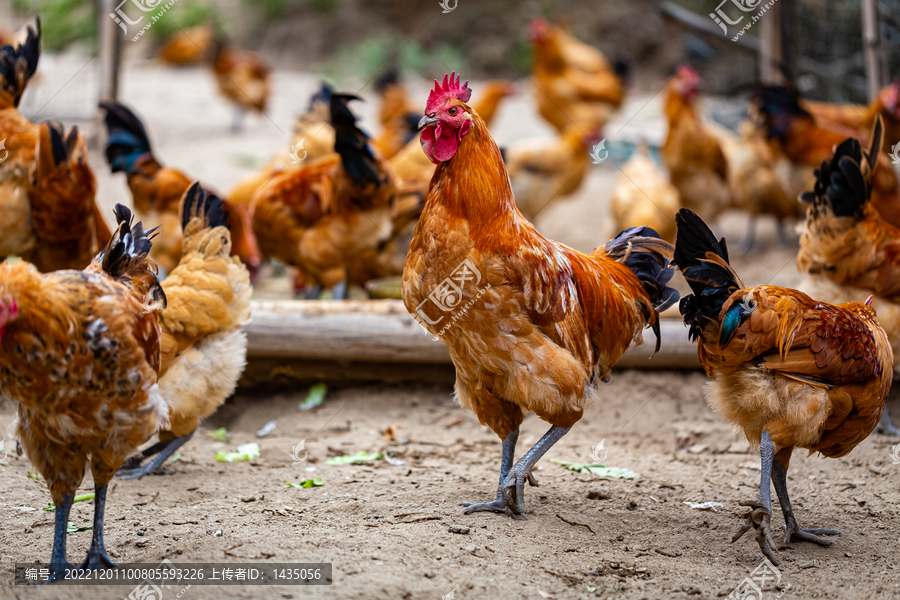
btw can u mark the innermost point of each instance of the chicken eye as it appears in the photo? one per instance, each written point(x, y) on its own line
point(453, 112)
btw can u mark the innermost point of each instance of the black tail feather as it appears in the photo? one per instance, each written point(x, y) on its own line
point(703, 260)
point(126, 254)
point(127, 139)
point(201, 203)
point(844, 183)
point(352, 143)
point(18, 64)
point(643, 251)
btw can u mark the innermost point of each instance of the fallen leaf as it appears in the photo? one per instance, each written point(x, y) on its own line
point(306, 483)
point(713, 506)
point(81, 498)
point(598, 470)
point(315, 397)
point(353, 458)
point(244, 452)
point(221, 434)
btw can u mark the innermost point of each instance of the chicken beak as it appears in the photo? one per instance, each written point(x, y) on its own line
point(868, 301)
point(426, 121)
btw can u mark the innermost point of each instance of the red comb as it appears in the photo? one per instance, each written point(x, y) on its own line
point(450, 88)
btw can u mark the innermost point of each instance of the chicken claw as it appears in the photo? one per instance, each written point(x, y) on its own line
point(514, 492)
point(759, 518)
point(793, 533)
point(497, 505)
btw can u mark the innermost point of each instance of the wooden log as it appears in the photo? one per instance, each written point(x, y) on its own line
point(381, 331)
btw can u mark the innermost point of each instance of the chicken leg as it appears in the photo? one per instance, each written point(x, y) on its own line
point(165, 450)
point(509, 450)
point(885, 427)
point(792, 531)
point(96, 556)
point(58, 562)
point(760, 515)
point(513, 489)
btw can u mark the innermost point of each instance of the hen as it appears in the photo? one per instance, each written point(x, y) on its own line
point(790, 371)
point(203, 349)
point(643, 195)
point(543, 324)
point(861, 119)
point(242, 77)
point(574, 83)
point(80, 353)
point(694, 157)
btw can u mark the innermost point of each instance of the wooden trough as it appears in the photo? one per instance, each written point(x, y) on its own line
point(377, 339)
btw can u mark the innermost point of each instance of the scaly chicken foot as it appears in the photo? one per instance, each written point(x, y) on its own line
point(509, 450)
point(158, 461)
point(513, 489)
point(760, 515)
point(792, 531)
point(58, 561)
point(97, 556)
point(133, 462)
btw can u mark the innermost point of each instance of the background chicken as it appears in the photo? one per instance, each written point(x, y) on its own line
point(694, 157)
point(574, 82)
point(543, 170)
point(203, 349)
point(156, 191)
point(243, 78)
point(643, 195)
point(20, 136)
point(788, 370)
point(861, 119)
point(800, 144)
point(66, 220)
point(544, 323)
point(187, 46)
point(80, 353)
point(846, 249)
point(321, 218)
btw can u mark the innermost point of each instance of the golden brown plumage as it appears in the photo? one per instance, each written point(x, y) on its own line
point(643, 195)
point(574, 83)
point(531, 325)
point(242, 76)
point(203, 350)
point(860, 118)
point(788, 370)
point(694, 157)
point(187, 46)
point(80, 353)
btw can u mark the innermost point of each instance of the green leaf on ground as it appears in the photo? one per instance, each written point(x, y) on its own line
point(71, 528)
point(315, 397)
point(81, 498)
point(245, 452)
point(221, 434)
point(353, 458)
point(306, 483)
point(598, 470)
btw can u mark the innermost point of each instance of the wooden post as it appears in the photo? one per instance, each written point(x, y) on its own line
point(110, 52)
point(872, 45)
point(778, 44)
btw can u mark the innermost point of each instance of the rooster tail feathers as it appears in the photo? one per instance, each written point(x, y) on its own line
point(125, 255)
point(19, 63)
point(844, 183)
point(127, 139)
point(204, 205)
point(352, 143)
point(642, 250)
point(703, 260)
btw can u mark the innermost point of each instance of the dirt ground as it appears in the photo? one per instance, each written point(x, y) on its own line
point(385, 528)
